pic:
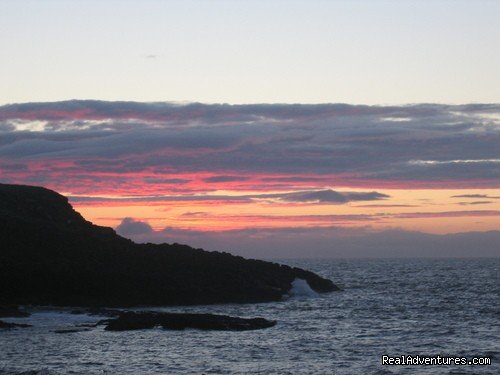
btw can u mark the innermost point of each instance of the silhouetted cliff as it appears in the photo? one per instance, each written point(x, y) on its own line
point(49, 254)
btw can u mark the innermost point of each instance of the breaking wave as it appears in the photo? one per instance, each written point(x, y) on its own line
point(300, 288)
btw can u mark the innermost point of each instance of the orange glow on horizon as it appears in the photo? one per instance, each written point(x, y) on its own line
point(432, 211)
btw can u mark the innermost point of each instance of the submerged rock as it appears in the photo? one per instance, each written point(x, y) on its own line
point(5, 325)
point(179, 321)
point(71, 330)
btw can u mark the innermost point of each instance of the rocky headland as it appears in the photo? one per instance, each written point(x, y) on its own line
point(50, 255)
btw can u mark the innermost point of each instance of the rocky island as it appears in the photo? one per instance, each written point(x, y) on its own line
point(50, 255)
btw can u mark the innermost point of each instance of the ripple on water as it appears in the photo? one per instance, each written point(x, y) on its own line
point(393, 307)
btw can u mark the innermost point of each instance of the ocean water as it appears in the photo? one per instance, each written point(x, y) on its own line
point(447, 307)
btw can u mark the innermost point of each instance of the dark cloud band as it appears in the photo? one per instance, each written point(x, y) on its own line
point(353, 145)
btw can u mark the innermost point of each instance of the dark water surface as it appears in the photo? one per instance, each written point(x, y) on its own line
point(393, 307)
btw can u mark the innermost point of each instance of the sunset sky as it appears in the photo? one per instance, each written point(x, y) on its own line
point(163, 120)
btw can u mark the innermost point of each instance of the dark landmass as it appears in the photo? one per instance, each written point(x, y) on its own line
point(50, 255)
point(178, 321)
point(12, 311)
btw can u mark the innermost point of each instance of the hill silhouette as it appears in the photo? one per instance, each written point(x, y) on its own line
point(50, 255)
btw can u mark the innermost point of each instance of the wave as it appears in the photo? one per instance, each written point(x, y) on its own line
point(301, 288)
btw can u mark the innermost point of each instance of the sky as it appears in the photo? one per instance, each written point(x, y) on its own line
point(261, 51)
point(263, 128)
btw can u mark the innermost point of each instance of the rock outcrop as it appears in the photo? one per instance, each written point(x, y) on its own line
point(178, 321)
point(5, 325)
point(12, 311)
point(50, 255)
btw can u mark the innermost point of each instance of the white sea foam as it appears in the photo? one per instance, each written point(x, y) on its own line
point(300, 288)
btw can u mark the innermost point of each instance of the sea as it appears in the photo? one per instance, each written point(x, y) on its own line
point(387, 307)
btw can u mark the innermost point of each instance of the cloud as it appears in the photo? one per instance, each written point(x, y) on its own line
point(327, 196)
point(174, 181)
point(333, 242)
point(293, 179)
point(211, 113)
point(315, 146)
point(469, 213)
point(314, 196)
point(301, 221)
point(475, 196)
point(132, 227)
point(195, 214)
point(13, 167)
point(386, 205)
point(474, 203)
point(225, 179)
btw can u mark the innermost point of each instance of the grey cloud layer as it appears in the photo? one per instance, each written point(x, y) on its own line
point(333, 242)
point(330, 196)
point(475, 196)
point(312, 196)
point(403, 143)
